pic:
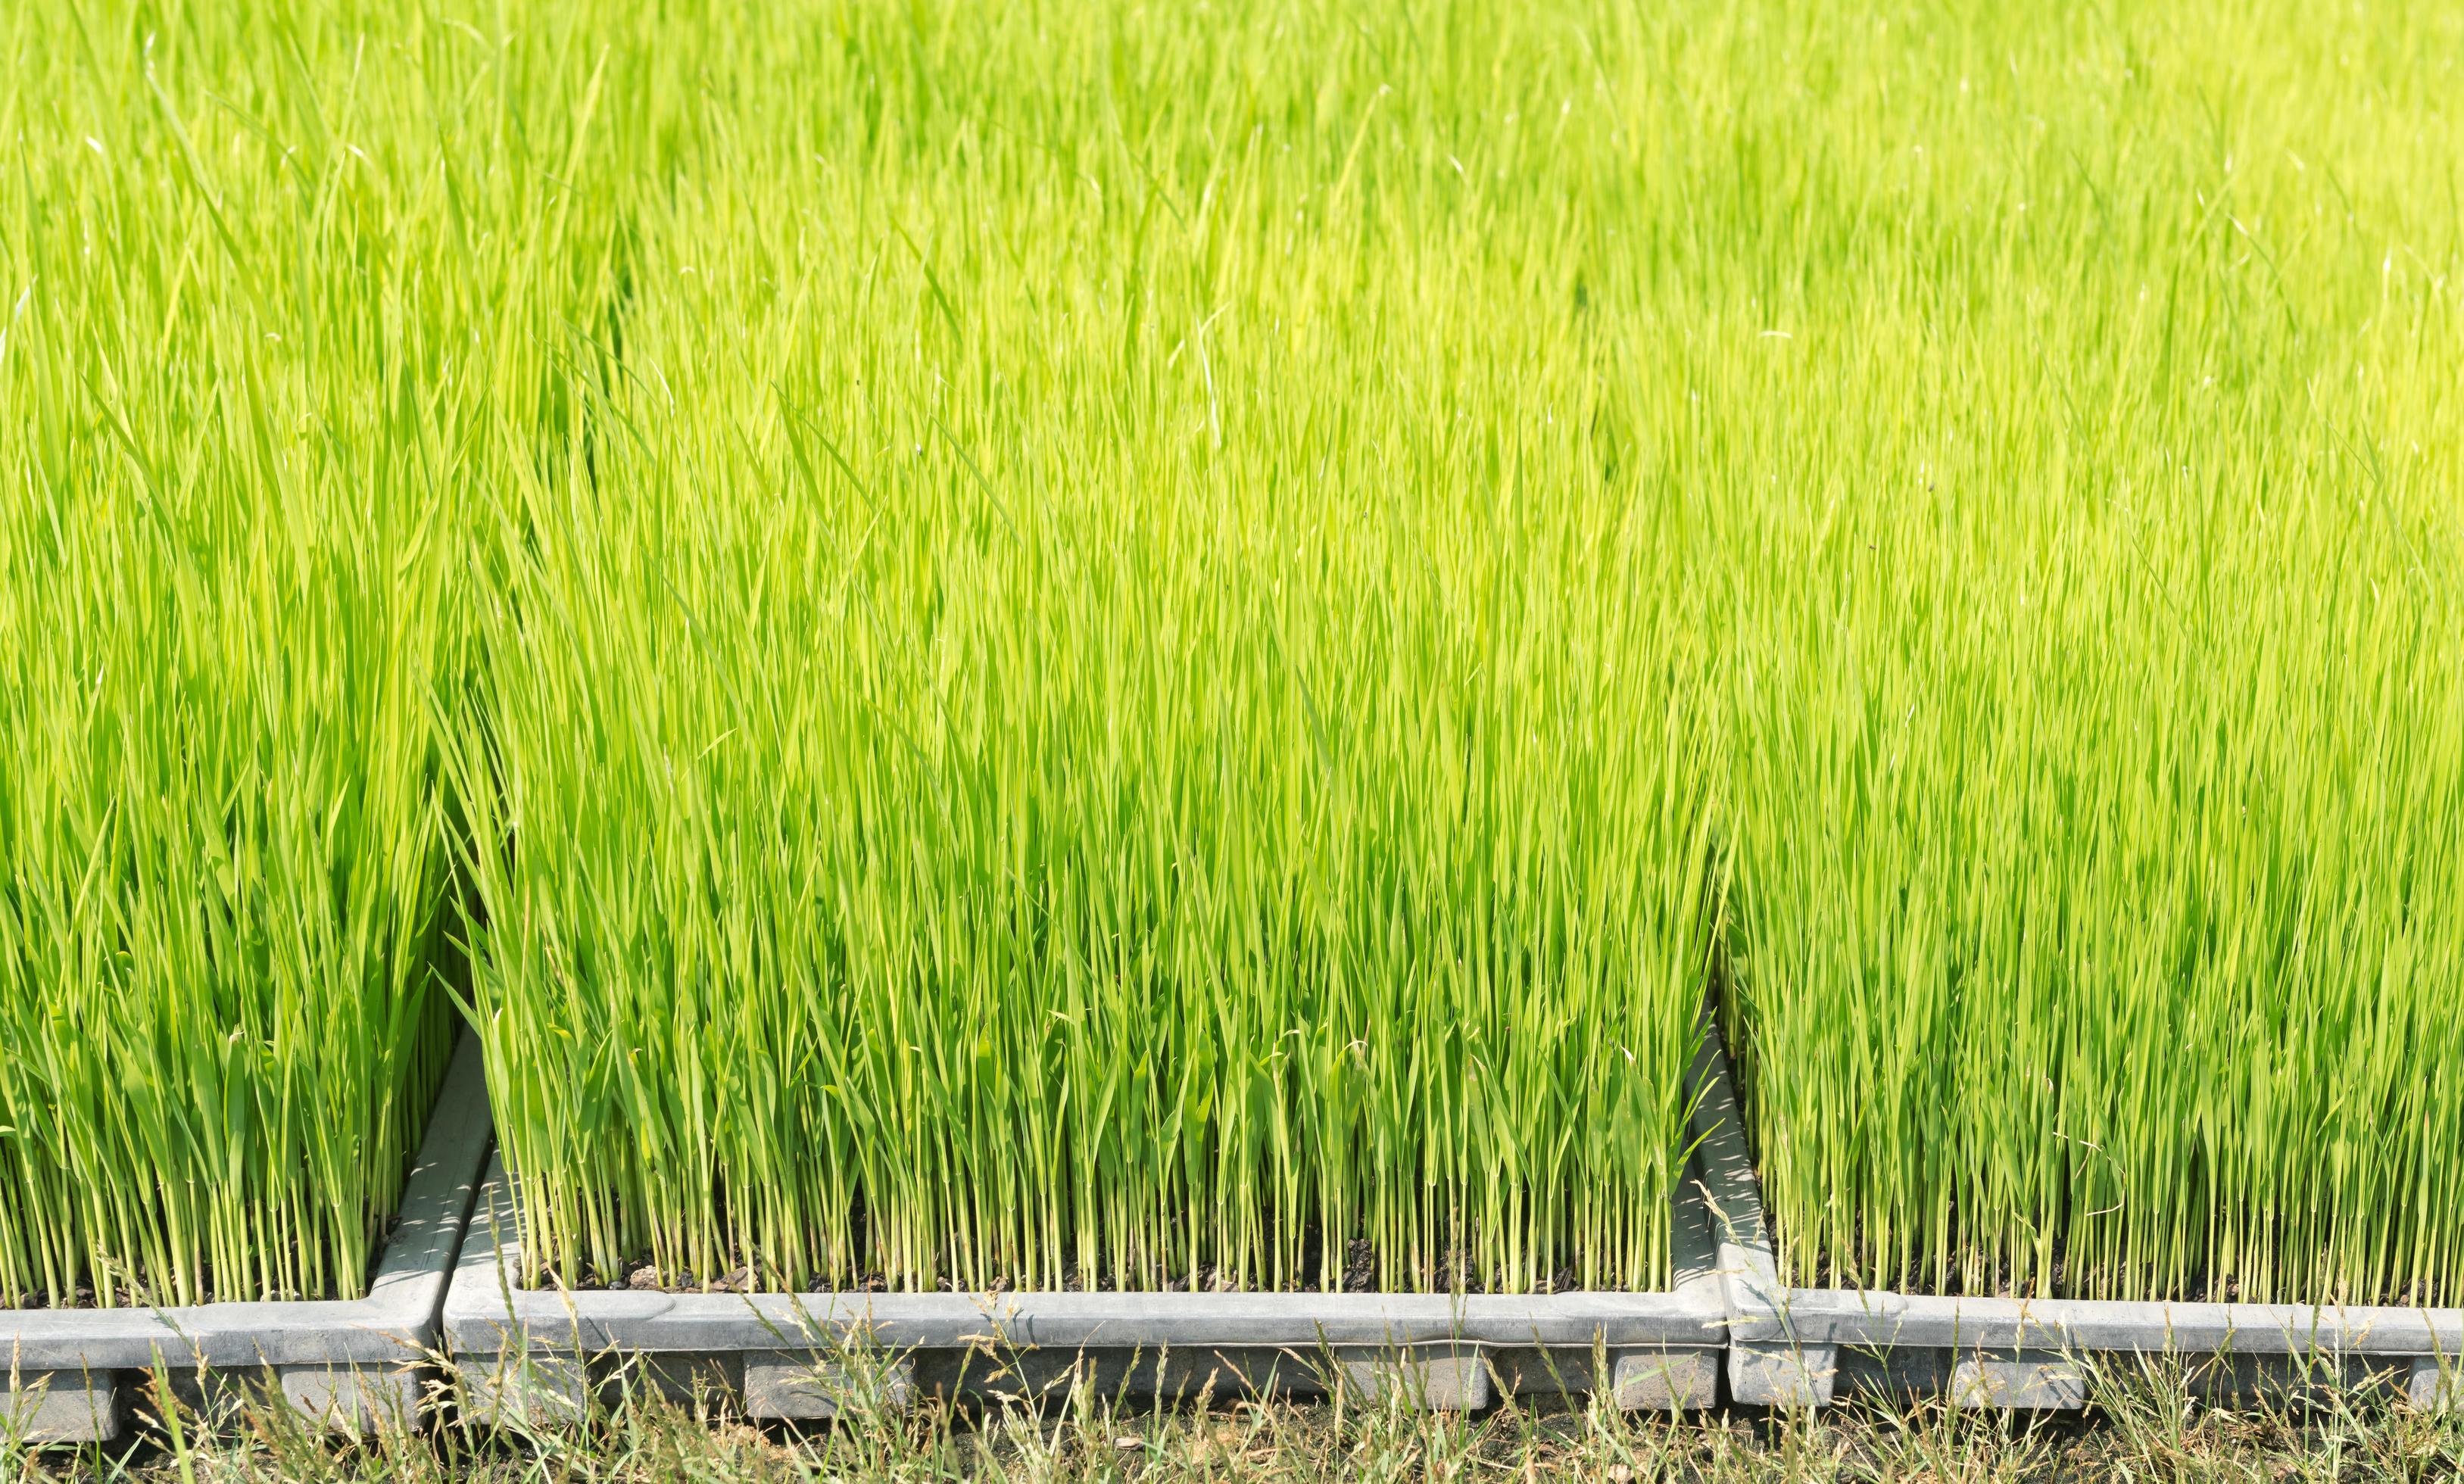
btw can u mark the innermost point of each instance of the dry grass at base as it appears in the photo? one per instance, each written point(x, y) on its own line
point(2145, 1427)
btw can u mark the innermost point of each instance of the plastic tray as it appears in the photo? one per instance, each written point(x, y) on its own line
point(351, 1363)
point(815, 1355)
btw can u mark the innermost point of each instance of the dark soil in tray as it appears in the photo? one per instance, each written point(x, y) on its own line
point(131, 1296)
point(1359, 1277)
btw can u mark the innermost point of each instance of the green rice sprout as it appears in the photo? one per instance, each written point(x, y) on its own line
point(1101, 716)
point(1100, 644)
point(222, 869)
point(2099, 778)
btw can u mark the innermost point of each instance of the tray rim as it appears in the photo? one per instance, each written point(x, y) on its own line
point(396, 1324)
point(486, 1317)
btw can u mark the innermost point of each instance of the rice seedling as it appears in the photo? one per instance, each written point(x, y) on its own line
point(222, 866)
point(1083, 694)
point(1097, 644)
point(2098, 782)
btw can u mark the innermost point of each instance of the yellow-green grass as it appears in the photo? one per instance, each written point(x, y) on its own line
point(222, 861)
point(1158, 420)
point(2096, 657)
point(1072, 710)
point(1144, 645)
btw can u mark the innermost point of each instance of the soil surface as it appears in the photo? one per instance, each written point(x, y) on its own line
point(134, 1295)
point(639, 1275)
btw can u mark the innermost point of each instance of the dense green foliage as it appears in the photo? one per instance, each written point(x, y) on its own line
point(1087, 643)
point(1072, 710)
point(222, 861)
point(2098, 781)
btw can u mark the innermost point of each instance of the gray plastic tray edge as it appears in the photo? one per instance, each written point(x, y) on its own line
point(395, 1323)
point(486, 1316)
point(1785, 1341)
